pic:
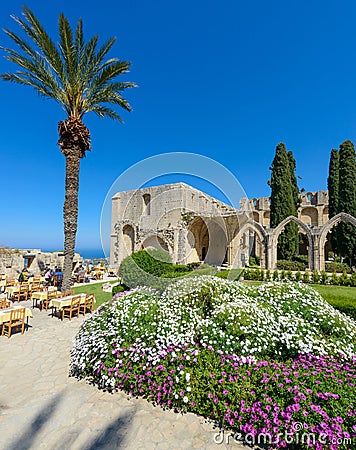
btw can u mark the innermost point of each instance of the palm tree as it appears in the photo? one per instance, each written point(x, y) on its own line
point(77, 75)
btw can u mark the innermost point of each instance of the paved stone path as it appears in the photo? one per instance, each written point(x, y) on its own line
point(41, 407)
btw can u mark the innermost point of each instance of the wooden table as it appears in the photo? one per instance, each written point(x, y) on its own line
point(60, 303)
point(5, 314)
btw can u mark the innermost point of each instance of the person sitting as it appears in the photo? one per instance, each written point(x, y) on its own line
point(57, 276)
point(24, 275)
point(48, 276)
point(81, 275)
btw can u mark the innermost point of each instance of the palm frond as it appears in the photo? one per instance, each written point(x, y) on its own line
point(104, 111)
point(74, 73)
point(39, 36)
point(67, 48)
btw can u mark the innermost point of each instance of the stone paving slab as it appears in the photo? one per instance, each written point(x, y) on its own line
point(41, 407)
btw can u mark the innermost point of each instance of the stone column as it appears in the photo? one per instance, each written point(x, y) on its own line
point(182, 245)
point(271, 251)
point(317, 262)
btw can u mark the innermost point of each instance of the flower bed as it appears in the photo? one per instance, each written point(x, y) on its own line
point(258, 360)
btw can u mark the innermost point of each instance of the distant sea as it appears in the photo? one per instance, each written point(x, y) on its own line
point(91, 253)
point(85, 252)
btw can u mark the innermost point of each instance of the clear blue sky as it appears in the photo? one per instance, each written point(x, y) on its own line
point(228, 80)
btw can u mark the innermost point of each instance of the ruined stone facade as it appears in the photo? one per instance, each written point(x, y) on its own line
point(12, 261)
point(193, 226)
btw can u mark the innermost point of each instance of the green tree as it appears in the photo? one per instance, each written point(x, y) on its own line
point(284, 201)
point(333, 188)
point(76, 75)
point(347, 200)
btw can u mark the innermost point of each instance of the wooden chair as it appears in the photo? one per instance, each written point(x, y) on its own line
point(50, 296)
point(10, 282)
point(81, 277)
point(22, 293)
point(17, 319)
point(57, 279)
point(36, 279)
point(35, 287)
point(68, 293)
point(4, 303)
point(88, 304)
point(73, 309)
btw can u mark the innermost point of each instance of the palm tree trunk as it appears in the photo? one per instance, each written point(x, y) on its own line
point(70, 213)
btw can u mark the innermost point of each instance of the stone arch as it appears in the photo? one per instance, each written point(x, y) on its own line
point(325, 229)
point(266, 219)
point(241, 257)
point(128, 233)
point(198, 240)
point(278, 230)
point(325, 214)
point(256, 216)
point(309, 216)
point(146, 204)
point(155, 241)
point(309, 197)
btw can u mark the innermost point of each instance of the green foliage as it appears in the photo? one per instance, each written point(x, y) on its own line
point(301, 259)
point(347, 200)
point(144, 268)
point(153, 261)
point(284, 200)
point(254, 261)
point(323, 277)
point(193, 265)
point(298, 276)
point(334, 279)
point(347, 309)
point(275, 275)
point(353, 280)
point(119, 288)
point(268, 275)
point(344, 279)
point(291, 265)
point(315, 277)
point(337, 267)
point(232, 274)
point(283, 274)
point(306, 277)
point(333, 188)
point(289, 275)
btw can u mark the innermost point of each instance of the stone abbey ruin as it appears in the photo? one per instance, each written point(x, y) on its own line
point(193, 226)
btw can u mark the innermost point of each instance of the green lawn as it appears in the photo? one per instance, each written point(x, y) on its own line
point(345, 294)
point(95, 289)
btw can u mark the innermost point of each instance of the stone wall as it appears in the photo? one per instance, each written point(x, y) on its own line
point(12, 261)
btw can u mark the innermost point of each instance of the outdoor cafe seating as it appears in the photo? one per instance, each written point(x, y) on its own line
point(4, 303)
point(13, 317)
point(88, 304)
point(72, 309)
point(17, 319)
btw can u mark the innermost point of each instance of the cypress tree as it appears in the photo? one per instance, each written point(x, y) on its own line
point(293, 178)
point(347, 200)
point(333, 188)
point(294, 244)
point(283, 202)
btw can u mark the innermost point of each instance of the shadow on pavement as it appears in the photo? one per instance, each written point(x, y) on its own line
point(113, 436)
point(27, 437)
